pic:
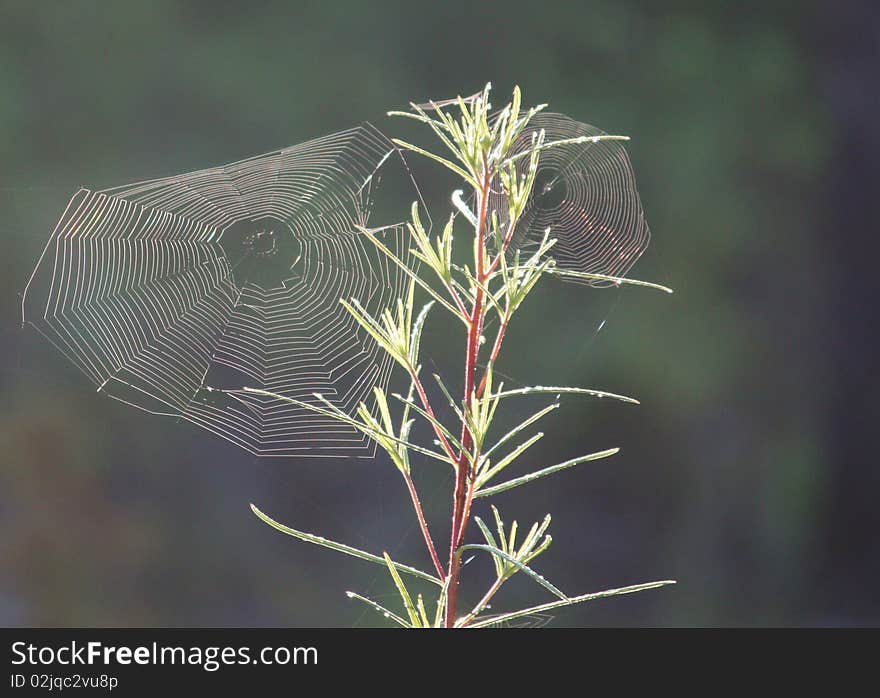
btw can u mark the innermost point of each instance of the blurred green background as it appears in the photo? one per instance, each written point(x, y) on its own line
point(748, 472)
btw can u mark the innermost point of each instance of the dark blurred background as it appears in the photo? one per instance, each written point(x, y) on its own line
point(748, 473)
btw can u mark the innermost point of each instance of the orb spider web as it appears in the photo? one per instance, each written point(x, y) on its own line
point(585, 193)
point(170, 293)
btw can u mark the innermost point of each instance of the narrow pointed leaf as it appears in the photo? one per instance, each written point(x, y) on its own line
point(516, 563)
point(556, 390)
point(509, 458)
point(413, 275)
point(449, 397)
point(404, 594)
point(342, 548)
point(410, 115)
point(441, 606)
point(411, 404)
point(617, 280)
point(570, 601)
point(499, 526)
point(519, 427)
point(525, 479)
point(337, 414)
point(378, 608)
point(423, 614)
point(490, 539)
point(418, 326)
point(564, 141)
point(443, 161)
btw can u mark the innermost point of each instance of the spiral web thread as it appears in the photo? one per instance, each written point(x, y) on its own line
point(172, 294)
point(586, 194)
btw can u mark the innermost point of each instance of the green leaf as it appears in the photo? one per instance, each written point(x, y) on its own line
point(404, 594)
point(423, 614)
point(530, 547)
point(375, 330)
point(332, 411)
point(511, 541)
point(384, 435)
point(570, 601)
point(445, 125)
point(516, 563)
point(378, 608)
point(519, 427)
point(525, 479)
point(410, 115)
point(566, 141)
point(508, 459)
point(494, 299)
point(413, 275)
point(411, 404)
point(490, 539)
point(441, 606)
point(385, 413)
point(439, 256)
point(499, 526)
point(449, 397)
point(617, 280)
point(405, 426)
point(443, 161)
point(342, 548)
point(556, 390)
point(479, 414)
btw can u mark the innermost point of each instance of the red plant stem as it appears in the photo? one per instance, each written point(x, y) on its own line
point(462, 495)
point(423, 524)
point(499, 338)
point(496, 349)
point(458, 302)
point(504, 245)
point(481, 605)
point(468, 500)
point(423, 396)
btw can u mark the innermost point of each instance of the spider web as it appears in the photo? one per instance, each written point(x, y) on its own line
point(586, 194)
point(534, 620)
point(170, 292)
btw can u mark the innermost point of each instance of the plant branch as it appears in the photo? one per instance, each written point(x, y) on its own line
point(482, 603)
point(496, 349)
point(426, 403)
point(423, 524)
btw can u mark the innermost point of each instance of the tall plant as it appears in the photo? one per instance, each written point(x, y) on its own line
point(479, 148)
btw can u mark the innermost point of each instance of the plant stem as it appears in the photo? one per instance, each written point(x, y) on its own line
point(423, 396)
point(482, 602)
point(496, 349)
point(462, 495)
point(502, 328)
point(423, 524)
point(511, 226)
